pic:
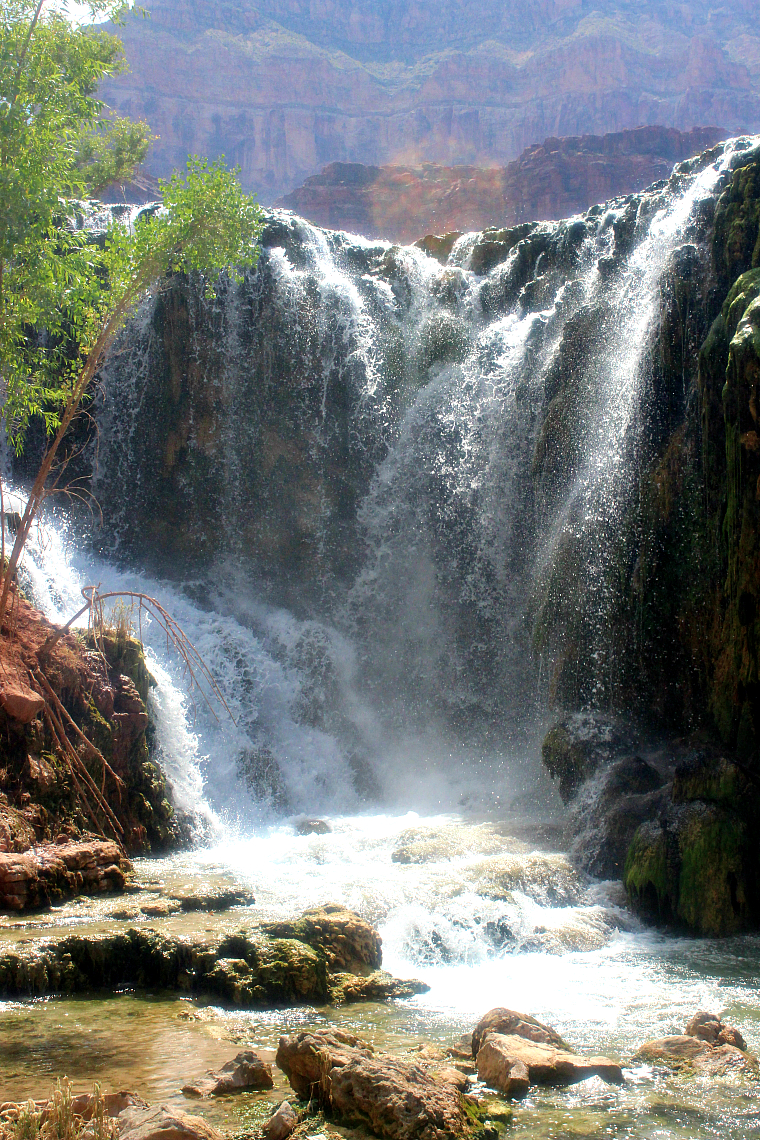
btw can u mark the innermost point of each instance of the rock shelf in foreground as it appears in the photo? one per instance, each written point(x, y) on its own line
point(248, 968)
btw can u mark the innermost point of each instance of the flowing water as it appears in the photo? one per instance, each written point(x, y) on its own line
point(422, 753)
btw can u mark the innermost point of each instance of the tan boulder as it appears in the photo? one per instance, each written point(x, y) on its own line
point(399, 1100)
point(509, 1022)
point(245, 1071)
point(709, 1027)
point(679, 1049)
point(395, 1099)
point(281, 1123)
point(54, 871)
point(21, 703)
point(164, 1123)
point(305, 1057)
point(546, 1065)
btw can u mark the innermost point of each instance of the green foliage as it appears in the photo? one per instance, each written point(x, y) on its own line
point(49, 277)
point(62, 297)
point(110, 150)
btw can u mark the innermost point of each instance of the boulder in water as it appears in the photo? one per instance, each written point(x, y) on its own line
point(709, 1027)
point(377, 986)
point(504, 1062)
point(674, 1051)
point(245, 1071)
point(313, 827)
point(396, 1099)
point(511, 1023)
point(709, 1047)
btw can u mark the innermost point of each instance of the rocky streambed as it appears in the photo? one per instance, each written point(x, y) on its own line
point(165, 991)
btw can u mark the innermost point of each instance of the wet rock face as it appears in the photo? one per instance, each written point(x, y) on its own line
point(675, 824)
point(696, 864)
point(98, 695)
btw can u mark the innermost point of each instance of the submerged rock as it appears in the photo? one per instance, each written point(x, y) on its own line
point(676, 1050)
point(221, 898)
point(245, 1071)
point(510, 1064)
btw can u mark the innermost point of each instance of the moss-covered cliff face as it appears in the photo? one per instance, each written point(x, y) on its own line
point(681, 642)
point(700, 515)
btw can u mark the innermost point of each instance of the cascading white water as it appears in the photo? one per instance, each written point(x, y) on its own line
point(379, 679)
point(426, 388)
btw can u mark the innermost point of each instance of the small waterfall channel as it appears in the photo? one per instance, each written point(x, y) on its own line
point(360, 481)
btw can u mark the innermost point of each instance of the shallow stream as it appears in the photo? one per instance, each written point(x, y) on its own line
point(483, 917)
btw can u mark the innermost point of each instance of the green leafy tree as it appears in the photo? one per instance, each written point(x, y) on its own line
point(63, 298)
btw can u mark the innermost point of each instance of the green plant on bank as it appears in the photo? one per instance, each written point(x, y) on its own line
point(57, 1119)
point(64, 299)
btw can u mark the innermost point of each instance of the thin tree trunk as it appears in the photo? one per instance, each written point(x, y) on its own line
point(38, 491)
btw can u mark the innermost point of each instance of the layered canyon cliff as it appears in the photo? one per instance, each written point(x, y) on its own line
point(286, 90)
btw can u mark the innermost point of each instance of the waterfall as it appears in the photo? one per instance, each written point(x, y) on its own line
point(382, 491)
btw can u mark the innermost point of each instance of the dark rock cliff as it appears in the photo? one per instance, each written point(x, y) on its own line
point(682, 638)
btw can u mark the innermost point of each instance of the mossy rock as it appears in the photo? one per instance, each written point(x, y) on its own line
point(573, 750)
point(126, 655)
point(696, 869)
